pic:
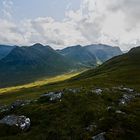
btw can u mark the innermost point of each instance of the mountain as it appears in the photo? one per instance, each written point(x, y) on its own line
point(123, 69)
point(91, 55)
point(5, 50)
point(20, 65)
point(26, 64)
point(101, 103)
point(103, 52)
point(79, 54)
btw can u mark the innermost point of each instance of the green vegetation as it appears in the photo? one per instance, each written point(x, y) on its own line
point(70, 118)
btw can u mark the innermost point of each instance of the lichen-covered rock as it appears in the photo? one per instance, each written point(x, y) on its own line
point(22, 122)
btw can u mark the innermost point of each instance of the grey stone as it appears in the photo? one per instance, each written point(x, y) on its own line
point(99, 136)
point(20, 103)
point(20, 121)
point(5, 108)
point(73, 90)
point(53, 96)
point(120, 112)
point(97, 91)
point(126, 99)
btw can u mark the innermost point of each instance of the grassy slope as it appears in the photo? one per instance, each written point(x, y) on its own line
point(32, 90)
point(124, 69)
point(68, 119)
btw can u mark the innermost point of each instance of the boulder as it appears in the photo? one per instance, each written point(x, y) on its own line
point(73, 90)
point(97, 91)
point(22, 122)
point(99, 136)
point(126, 99)
point(124, 89)
point(91, 127)
point(14, 105)
point(19, 103)
point(4, 108)
point(52, 96)
point(120, 112)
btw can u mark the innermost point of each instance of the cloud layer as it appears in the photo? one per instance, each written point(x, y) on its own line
point(97, 21)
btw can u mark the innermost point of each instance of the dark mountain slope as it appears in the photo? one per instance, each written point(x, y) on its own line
point(91, 55)
point(5, 50)
point(80, 55)
point(25, 64)
point(123, 69)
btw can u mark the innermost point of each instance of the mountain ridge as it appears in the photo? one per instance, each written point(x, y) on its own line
point(27, 64)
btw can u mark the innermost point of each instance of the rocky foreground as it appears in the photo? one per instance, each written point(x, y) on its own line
point(114, 106)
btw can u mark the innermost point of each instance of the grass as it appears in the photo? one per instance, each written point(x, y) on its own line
point(68, 119)
point(32, 90)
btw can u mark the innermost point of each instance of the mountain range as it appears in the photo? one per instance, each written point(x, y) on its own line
point(20, 65)
point(90, 55)
point(122, 69)
point(101, 103)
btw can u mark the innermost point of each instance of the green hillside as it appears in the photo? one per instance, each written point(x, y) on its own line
point(123, 69)
point(28, 64)
point(100, 101)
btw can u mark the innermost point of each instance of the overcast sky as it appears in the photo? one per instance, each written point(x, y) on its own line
point(61, 23)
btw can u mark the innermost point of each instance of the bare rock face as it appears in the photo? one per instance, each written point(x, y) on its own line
point(99, 136)
point(22, 122)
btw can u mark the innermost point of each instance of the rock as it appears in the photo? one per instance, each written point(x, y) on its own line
point(109, 108)
point(99, 136)
point(128, 90)
point(91, 127)
point(120, 112)
point(5, 108)
point(20, 121)
point(19, 103)
point(126, 99)
point(124, 89)
point(16, 104)
point(73, 90)
point(53, 96)
point(97, 91)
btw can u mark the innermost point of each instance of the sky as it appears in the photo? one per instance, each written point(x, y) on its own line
point(62, 23)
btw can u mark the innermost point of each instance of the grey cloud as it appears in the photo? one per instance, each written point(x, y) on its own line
point(115, 22)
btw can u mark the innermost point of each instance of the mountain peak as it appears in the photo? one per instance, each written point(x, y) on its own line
point(135, 50)
point(37, 44)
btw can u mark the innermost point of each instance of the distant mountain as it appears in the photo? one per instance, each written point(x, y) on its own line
point(103, 52)
point(123, 69)
point(5, 50)
point(80, 55)
point(20, 65)
point(90, 55)
point(26, 64)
